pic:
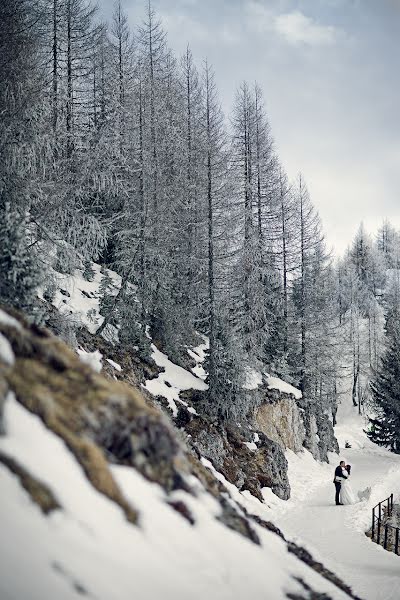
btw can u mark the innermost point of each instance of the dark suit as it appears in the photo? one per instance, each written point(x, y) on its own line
point(338, 484)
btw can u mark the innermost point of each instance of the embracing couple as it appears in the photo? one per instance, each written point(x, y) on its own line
point(344, 493)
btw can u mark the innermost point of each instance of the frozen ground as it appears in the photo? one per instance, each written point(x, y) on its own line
point(174, 379)
point(88, 549)
point(335, 534)
point(89, 545)
point(79, 298)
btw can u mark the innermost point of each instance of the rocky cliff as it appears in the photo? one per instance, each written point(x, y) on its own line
point(281, 420)
point(294, 422)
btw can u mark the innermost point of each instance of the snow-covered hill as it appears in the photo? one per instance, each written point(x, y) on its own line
point(65, 531)
point(88, 547)
point(206, 538)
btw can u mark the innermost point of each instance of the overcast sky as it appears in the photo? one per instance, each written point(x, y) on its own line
point(330, 74)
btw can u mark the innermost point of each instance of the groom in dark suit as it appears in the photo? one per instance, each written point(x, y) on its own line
point(340, 475)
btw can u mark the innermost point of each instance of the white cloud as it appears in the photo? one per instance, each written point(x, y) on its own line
point(183, 26)
point(297, 28)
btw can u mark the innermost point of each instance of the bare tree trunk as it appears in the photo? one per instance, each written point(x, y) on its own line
point(55, 65)
point(302, 289)
point(152, 112)
point(70, 92)
point(142, 199)
point(103, 88)
point(121, 83)
point(259, 195)
point(285, 265)
point(334, 405)
point(356, 360)
point(189, 158)
point(95, 122)
point(210, 220)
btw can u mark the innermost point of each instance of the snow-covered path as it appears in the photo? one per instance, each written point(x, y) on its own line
point(335, 534)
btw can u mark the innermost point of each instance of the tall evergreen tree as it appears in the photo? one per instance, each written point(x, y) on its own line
point(385, 387)
point(21, 145)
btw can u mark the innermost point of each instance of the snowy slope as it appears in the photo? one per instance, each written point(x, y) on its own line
point(254, 379)
point(275, 383)
point(89, 548)
point(79, 298)
point(76, 296)
point(336, 534)
point(174, 379)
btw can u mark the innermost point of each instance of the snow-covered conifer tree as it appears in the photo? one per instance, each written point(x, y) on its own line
point(385, 385)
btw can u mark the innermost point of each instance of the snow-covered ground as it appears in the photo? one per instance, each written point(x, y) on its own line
point(254, 379)
point(76, 296)
point(275, 383)
point(174, 379)
point(89, 549)
point(335, 534)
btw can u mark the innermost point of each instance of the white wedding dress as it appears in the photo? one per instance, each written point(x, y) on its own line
point(346, 493)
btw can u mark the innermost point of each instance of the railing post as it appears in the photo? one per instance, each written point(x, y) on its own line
point(373, 522)
point(391, 540)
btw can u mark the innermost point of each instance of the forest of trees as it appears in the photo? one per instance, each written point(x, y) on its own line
point(114, 150)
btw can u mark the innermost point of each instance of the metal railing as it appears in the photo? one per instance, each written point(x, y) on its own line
point(384, 533)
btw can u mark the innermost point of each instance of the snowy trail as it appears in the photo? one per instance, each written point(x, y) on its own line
point(335, 535)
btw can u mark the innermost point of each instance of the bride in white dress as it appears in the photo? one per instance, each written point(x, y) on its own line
point(346, 492)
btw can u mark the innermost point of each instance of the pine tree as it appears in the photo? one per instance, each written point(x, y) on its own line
point(388, 244)
point(193, 213)
point(385, 388)
point(311, 261)
point(19, 270)
point(221, 363)
point(21, 147)
point(107, 294)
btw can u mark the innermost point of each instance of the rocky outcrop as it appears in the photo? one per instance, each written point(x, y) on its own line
point(320, 436)
point(101, 421)
point(295, 423)
point(282, 422)
point(263, 464)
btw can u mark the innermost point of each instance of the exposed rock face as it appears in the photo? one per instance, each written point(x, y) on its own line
point(312, 440)
point(282, 422)
point(320, 436)
point(248, 469)
point(144, 442)
point(296, 424)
